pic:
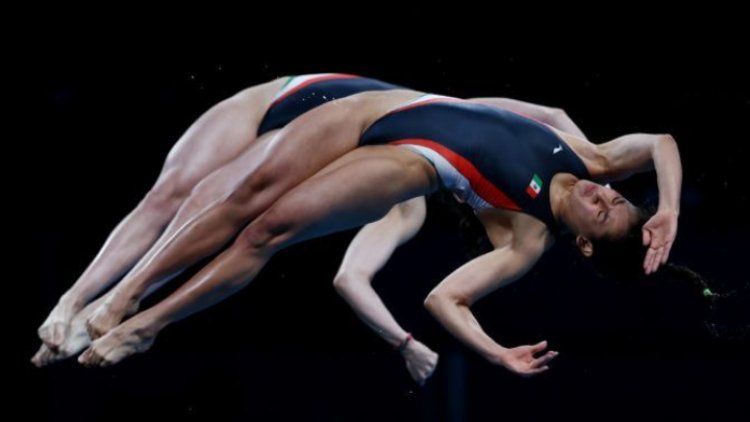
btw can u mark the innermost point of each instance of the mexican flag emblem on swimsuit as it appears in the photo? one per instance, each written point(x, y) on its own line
point(534, 186)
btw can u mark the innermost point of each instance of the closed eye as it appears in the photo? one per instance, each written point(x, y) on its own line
point(617, 201)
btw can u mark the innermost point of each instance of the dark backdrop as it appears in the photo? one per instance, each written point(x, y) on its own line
point(100, 113)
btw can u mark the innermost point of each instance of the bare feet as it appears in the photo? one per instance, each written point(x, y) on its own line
point(420, 361)
point(122, 341)
point(76, 340)
point(54, 330)
point(77, 337)
point(107, 316)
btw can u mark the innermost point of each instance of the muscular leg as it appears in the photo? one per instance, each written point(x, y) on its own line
point(373, 179)
point(298, 151)
point(211, 189)
point(214, 187)
point(213, 140)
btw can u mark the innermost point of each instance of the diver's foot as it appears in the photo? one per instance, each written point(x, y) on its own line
point(55, 328)
point(122, 341)
point(106, 317)
point(77, 339)
point(45, 356)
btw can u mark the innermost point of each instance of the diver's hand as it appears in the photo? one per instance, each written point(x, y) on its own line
point(658, 234)
point(420, 361)
point(521, 360)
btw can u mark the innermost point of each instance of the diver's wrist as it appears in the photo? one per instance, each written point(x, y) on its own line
point(669, 209)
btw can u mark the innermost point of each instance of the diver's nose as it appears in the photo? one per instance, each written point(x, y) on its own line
point(599, 198)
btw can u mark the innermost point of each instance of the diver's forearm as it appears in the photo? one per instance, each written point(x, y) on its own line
point(460, 321)
point(368, 306)
point(668, 168)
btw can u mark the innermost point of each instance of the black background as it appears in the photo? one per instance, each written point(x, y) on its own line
point(99, 109)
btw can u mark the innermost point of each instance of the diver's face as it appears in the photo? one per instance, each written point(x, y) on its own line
point(597, 211)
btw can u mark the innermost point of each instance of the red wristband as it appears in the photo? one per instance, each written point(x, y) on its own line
point(401, 346)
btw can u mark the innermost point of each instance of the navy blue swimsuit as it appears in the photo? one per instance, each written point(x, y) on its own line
point(301, 94)
point(489, 157)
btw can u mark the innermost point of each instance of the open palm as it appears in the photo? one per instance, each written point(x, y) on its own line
point(521, 360)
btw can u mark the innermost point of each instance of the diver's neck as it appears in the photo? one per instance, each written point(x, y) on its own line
point(560, 188)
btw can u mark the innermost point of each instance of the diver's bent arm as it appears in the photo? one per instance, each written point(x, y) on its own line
point(368, 252)
point(451, 300)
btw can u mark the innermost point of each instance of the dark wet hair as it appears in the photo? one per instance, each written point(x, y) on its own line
point(470, 229)
point(621, 260)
